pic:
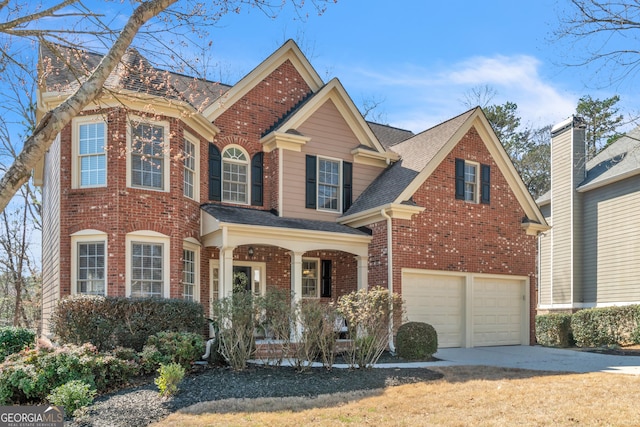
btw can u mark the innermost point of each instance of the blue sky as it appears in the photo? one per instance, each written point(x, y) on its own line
point(421, 58)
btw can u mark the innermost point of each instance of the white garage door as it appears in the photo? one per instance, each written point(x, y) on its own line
point(439, 301)
point(494, 316)
point(497, 311)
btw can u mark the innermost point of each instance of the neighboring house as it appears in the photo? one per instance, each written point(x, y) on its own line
point(591, 255)
point(280, 180)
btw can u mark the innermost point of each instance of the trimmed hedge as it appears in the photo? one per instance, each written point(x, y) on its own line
point(554, 330)
point(596, 327)
point(110, 322)
point(416, 341)
point(13, 340)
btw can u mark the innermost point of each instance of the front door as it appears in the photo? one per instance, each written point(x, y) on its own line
point(242, 281)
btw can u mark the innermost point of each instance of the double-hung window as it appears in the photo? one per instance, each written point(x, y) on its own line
point(147, 278)
point(235, 175)
point(310, 278)
point(89, 262)
point(188, 274)
point(90, 163)
point(148, 159)
point(473, 182)
point(328, 184)
point(91, 266)
point(190, 181)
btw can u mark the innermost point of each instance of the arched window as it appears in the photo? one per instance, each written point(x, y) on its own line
point(235, 175)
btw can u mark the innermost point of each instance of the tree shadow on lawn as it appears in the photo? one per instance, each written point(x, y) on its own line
point(464, 373)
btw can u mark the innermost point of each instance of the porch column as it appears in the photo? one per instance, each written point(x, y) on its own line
point(363, 271)
point(226, 272)
point(296, 290)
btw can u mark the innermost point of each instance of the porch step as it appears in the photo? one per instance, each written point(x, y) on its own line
point(274, 350)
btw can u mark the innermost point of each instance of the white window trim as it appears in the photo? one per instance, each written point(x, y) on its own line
point(75, 150)
point(248, 164)
point(196, 178)
point(195, 248)
point(152, 237)
point(318, 274)
point(476, 193)
point(166, 144)
point(87, 236)
point(340, 179)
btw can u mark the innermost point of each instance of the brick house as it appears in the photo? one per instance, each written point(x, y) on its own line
point(179, 188)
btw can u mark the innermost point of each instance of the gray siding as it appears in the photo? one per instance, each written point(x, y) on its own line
point(561, 211)
point(50, 234)
point(612, 243)
point(544, 258)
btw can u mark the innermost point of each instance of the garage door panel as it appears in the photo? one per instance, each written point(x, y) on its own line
point(497, 311)
point(439, 301)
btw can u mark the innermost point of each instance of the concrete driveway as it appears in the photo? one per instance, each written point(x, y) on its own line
point(538, 358)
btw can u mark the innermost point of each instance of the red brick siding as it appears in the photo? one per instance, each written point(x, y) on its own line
point(455, 235)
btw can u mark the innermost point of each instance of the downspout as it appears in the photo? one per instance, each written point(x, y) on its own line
point(392, 347)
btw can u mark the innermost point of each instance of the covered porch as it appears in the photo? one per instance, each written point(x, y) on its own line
point(247, 240)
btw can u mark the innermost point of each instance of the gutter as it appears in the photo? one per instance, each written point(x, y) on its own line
point(392, 347)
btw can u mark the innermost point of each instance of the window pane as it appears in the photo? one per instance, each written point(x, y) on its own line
point(146, 270)
point(147, 158)
point(470, 177)
point(328, 184)
point(309, 278)
point(92, 157)
point(188, 274)
point(91, 268)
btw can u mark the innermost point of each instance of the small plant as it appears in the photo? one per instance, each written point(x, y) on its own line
point(416, 341)
point(170, 377)
point(179, 347)
point(72, 396)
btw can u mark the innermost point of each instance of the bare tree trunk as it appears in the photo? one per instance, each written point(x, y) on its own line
point(55, 120)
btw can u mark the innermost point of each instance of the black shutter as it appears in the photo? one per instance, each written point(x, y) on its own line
point(460, 179)
point(325, 286)
point(311, 182)
point(215, 173)
point(256, 179)
point(347, 181)
point(485, 184)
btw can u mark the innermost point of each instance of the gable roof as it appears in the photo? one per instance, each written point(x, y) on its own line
point(334, 92)
point(423, 153)
point(287, 52)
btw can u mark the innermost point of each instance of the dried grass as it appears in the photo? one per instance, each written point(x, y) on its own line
point(466, 396)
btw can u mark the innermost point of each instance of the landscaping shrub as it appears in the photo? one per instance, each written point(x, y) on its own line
point(72, 396)
point(606, 326)
point(183, 348)
point(554, 330)
point(416, 341)
point(13, 340)
point(317, 334)
point(170, 377)
point(237, 317)
point(31, 375)
point(368, 313)
point(109, 322)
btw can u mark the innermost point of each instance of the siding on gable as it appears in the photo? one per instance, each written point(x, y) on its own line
point(612, 243)
point(50, 234)
point(330, 137)
point(544, 254)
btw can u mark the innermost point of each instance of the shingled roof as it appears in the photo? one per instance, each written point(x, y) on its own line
point(415, 152)
point(65, 68)
point(389, 135)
